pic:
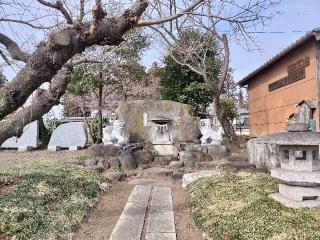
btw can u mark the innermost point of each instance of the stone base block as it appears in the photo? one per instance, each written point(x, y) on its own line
point(299, 194)
point(162, 236)
point(294, 204)
point(165, 149)
point(25, 148)
point(54, 148)
point(74, 148)
point(297, 178)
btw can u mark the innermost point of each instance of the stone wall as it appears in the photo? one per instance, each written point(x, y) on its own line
point(184, 126)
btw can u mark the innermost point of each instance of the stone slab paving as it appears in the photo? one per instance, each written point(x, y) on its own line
point(131, 222)
point(149, 207)
point(161, 236)
point(161, 200)
point(128, 229)
point(160, 222)
point(150, 181)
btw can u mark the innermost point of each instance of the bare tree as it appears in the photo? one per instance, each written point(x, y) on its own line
point(210, 29)
point(49, 60)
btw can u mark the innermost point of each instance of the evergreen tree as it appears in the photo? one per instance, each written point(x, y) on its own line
point(179, 83)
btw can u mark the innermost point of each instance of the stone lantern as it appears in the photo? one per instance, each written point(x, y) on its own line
point(299, 171)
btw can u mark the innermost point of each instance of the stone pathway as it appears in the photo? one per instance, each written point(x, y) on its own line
point(148, 215)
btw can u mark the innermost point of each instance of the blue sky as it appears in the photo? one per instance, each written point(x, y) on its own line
point(297, 15)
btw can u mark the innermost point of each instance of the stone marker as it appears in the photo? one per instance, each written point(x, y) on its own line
point(28, 140)
point(72, 136)
point(192, 177)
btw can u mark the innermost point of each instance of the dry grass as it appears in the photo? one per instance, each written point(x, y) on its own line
point(49, 200)
point(238, 207)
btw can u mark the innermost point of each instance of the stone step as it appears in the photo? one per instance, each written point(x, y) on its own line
point(150, 181)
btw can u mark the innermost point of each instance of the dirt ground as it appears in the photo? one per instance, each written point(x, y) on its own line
point(12, 157)
point(104, 215)
point(185, 227)
point(98, 227)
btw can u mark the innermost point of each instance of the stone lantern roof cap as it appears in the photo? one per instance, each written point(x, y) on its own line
point(291, 138)
point(308, 102)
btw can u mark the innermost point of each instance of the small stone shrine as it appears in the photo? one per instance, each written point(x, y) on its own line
point(299, 171)
point(161, 135)
point(160, 122)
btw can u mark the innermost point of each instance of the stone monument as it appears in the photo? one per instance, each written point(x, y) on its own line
point(27, 141)
point(114, 134)
point(299, 170)
point(210, 136)
point(72, 135)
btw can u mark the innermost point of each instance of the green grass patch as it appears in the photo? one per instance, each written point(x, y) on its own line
point(49, 200)
point(238, 207)
point(83, 158)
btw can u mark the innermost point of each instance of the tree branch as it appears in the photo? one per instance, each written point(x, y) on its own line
point(226, 62)
point(149, 22)
point(23, 22)
point(13, 48)
point(59, 6)
point(81, 11)
point(50, 56)
point(98, 12)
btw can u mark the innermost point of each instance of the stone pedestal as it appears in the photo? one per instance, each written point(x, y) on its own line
point(74, 148)
point(54, 148)
point(297, 189)
point(165, 149)
point(25, 148)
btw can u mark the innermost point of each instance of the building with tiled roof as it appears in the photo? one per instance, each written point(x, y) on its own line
point(276, 88)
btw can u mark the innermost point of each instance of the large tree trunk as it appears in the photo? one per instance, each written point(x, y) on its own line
point(48, 59)
point(226, 124)
point(13, 125)
point(50, 56)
